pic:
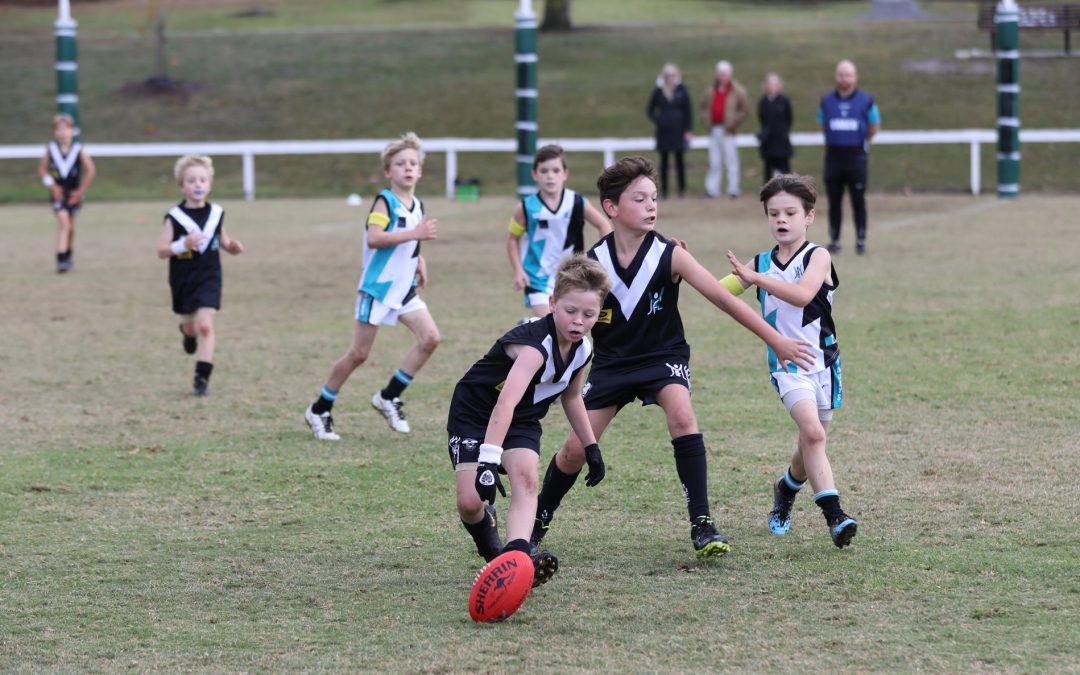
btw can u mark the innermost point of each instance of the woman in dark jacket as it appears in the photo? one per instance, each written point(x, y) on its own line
point(774, 114)
point(670, 110)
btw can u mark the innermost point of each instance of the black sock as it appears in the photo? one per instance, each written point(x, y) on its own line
point(486, 536)
point(784, 485)
point(829, 501)
point(396, 386)
point(692, 466)
point(322, 405)
point(203, 369)
point(556, 485)
point(517, 545)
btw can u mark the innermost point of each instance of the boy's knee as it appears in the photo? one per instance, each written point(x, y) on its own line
point(528, 483)
point(204, 328)
point(430, 341)
point(356, 357)
point(812, 436)
point(469, 506)
point(572, 456)
point(682, 423)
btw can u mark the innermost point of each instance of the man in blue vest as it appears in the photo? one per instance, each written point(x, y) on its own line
point(850, 118)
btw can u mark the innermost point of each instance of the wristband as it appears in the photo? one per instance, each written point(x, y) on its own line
point(490, 454)
point(179, 247)
point(47, 180)
point(732, 283)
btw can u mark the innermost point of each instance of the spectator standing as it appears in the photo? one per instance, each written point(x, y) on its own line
point(849, 118)
point(725, 106)
point(774, 135)
point(671, 112)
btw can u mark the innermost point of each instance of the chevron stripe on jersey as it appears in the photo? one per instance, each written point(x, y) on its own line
point(640, 318)
point(390, 273)
point(550, 235)
point(65, 168)
point(813, 323)
point(212, 221)
point(478, 391)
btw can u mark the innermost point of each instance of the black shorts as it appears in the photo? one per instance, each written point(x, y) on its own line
point(196, 292)
point(618, 384)
point(65, 206)
point(466, 448)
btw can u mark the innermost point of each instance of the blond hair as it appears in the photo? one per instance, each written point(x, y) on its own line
point(63, 118)
point(407, 141)
point(188, 161)
point(581, 273)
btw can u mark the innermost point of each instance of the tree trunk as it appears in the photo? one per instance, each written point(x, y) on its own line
point(556, 15)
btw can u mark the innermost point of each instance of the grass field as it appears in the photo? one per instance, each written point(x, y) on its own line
point(341, 69)
point(142, 529)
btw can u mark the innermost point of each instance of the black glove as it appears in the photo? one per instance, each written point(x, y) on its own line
point(596, 465)
point(487, 479)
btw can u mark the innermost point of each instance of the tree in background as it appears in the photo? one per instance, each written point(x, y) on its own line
point(556, 15)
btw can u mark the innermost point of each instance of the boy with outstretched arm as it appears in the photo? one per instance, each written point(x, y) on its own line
point(641, 350)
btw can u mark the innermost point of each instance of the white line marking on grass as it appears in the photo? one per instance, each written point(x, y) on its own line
point(925, 218)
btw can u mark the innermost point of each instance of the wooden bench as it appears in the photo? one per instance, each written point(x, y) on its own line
point(1044, 17)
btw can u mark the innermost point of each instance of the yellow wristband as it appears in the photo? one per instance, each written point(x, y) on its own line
point(732, 283)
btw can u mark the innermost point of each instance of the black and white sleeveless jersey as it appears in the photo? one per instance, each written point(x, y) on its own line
point(640, 318)
point(64, 169)
point(477, 392)
point(209, 219)
point(813, 323)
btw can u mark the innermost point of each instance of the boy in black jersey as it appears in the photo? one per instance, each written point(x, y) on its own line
point(641, 351)
point(501, 400)
point(67, 171)
point(193, 232)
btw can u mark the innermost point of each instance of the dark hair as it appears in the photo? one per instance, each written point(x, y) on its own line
point(614, 180)
point(795, 185)
point(549, 152)
point(579, 272)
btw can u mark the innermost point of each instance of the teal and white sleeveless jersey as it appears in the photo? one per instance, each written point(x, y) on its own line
point(390, 273)
point(549, 236)
point(813, 323)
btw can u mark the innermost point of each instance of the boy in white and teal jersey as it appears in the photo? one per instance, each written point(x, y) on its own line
point(393, 272)
point(546, 228)
point(796, 282)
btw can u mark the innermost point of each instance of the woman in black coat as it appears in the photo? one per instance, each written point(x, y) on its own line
point(774, 115)
point(670, 110)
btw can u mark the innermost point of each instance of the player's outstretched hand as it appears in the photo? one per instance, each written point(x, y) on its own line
point(799, 352)
point(740, 270)
point(235, 247)
point(596, 465)
point(427, 229)
point(487, 481)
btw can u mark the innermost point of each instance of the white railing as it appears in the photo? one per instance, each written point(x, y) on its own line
point(609, 147)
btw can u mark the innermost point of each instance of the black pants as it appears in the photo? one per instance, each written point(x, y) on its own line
point(775, 165)
point(846, 172)
point(680, 172)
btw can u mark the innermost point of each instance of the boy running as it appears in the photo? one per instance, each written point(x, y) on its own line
point(66, 170)
point(393, 272)
point(796, 281)
point(499, 404)
point(641, 351)
point(194, 230)
point(546, 228)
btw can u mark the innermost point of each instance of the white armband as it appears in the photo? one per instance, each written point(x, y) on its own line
point(490, 454)
point(47, 180)
point(179, 247)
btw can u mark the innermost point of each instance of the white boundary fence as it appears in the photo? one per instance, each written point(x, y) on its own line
point(248, 150)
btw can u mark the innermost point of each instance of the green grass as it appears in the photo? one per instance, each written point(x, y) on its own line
point(331, 69)
point(142, 529)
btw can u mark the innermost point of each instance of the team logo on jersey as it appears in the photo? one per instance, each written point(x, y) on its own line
point(605, 316)
point(680, 370)
point(499, 386)
point(798, 273)
point(654, 302)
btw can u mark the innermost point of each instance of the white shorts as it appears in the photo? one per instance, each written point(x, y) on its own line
point(370, 310)
point(822, 387)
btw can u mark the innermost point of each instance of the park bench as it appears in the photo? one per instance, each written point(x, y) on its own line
point(1043, 17)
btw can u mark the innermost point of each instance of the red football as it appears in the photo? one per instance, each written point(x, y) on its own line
point(501, 587)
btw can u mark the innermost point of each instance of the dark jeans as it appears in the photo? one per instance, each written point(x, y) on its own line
point(848, 172)
point(680, 172)
point(775, 165)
